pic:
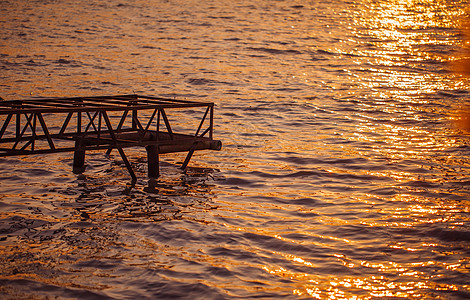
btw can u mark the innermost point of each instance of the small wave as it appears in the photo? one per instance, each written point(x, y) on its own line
point(222, 17)
point(149, 47)
point(340, 176)
point(108, 83)
point(235, 253)
point(274, 51)
point(288, 89)
point(450, 235)
point(321, 51)
point(273, 244)
point(33, 63)
point(18, 224)
point(204, 81)
point(299, 160)
point(236, 183)
point(24, 288)
point(457, 93)
point(68, 62)
point(305, 202)
point(37, 172)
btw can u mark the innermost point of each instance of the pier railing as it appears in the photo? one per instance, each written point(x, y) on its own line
point(41, 126)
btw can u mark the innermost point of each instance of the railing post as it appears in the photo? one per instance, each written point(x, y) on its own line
point(134, 119)
point(211, 125)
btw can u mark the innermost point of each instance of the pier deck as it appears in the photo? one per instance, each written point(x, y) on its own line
point(41, 126)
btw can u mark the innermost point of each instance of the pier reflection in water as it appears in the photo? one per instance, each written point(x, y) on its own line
point(342, 175)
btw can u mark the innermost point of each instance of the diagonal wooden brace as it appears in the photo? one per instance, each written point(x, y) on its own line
point(188, 157)
point(119, 148)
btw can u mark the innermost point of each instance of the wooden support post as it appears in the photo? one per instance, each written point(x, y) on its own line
point(153, 166)
point(79, 158)
point(153, 161)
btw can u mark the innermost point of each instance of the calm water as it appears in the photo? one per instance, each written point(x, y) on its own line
point(342, 175)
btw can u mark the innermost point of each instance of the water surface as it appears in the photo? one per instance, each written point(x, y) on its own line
point(341, 174)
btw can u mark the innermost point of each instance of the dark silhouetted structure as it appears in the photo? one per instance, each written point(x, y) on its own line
point(78, 124)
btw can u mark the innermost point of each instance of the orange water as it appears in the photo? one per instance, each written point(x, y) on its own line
point(342, 175)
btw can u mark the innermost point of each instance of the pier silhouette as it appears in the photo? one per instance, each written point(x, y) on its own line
point(80, 124)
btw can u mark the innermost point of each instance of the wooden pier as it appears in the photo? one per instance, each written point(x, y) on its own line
point(80, 124)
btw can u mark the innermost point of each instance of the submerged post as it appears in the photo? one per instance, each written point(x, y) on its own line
point(153, 161)
point(79, 158)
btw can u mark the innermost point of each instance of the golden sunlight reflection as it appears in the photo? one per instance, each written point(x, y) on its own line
point(371, 287)
point(338, 180)
point(462, 117)
point(398, 36)
point(461, 65)
point(414, 281)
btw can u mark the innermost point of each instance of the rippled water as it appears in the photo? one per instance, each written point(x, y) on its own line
point(341, 176)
